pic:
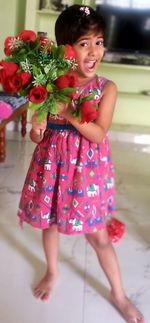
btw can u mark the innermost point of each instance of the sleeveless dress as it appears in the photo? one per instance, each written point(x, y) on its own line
point(70, 181)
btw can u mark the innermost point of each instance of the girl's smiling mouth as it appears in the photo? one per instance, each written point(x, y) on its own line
point(90, 65)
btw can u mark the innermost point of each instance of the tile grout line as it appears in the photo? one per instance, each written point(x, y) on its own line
point(84, 288)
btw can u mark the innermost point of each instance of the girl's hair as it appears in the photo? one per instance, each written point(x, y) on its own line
point(77, 21)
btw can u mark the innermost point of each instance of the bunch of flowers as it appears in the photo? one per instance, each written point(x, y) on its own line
point(43, 72)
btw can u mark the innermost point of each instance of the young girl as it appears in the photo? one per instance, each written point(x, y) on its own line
point(69, 187)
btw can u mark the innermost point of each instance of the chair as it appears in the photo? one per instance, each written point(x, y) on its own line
point(19, 109)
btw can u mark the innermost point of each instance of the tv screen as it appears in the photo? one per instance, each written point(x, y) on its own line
point(127, 29)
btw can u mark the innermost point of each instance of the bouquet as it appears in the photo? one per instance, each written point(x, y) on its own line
point(45, 73)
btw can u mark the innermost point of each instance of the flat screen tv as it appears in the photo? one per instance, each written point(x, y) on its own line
point(127, 29)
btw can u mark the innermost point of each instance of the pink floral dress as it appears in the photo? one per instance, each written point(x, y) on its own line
point(70, 181)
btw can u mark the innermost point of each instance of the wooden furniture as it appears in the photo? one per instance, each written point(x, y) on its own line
point(20, 110)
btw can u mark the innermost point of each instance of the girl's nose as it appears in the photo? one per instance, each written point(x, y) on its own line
point(92, 50)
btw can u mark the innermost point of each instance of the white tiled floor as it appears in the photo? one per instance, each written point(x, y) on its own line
point(81, 294)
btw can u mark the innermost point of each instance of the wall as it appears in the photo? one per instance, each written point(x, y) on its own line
point(12, 18)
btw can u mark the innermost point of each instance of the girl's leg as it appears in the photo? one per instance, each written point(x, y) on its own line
point(109, 263)
point(50, 244)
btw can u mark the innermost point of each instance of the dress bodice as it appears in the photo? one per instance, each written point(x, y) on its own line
point(95, 86)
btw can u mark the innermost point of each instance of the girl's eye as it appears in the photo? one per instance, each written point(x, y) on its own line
point(83, 44)
point(100, 43)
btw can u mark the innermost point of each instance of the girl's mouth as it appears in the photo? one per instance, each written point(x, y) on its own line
point(89, 65)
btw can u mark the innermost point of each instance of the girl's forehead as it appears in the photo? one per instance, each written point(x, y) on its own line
point(91, 34)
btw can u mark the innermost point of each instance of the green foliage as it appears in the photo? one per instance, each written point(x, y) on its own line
point(45, 62)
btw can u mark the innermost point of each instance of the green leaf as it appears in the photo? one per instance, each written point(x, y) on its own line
point(35, 106)
point(54, 51)
point(50, 87)
point(67, 90)
point(60, 51)
point(23, 92)
point(62, 98)
point(35, 70)
point(87, 98)
point(53, 108)
point(41, 115)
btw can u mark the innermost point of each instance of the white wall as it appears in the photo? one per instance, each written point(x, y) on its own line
point(12, 18)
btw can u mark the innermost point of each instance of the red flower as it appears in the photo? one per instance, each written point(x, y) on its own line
point(69, 52)
point(15, 82)
point(9, 45)
point(27, 36)
point(67, 80)
point(19, 80)
point(26, 78)
point(88, 112)
point(7, 70)
point(6, 86)
point(115, 229)
point(38, 94)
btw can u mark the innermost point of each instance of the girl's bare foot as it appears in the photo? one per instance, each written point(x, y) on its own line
point(45, 287)
point(128, 310)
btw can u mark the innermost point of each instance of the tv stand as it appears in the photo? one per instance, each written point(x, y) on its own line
point(133, 87)
point(127, 58)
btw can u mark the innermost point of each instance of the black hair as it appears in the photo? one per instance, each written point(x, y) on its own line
point(75, 22)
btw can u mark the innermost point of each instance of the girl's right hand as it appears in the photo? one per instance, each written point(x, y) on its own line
point(38, 127)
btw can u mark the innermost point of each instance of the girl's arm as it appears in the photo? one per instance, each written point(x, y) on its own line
point(38, 129)
point(96, 131)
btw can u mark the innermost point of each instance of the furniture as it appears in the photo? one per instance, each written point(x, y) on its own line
point(19, 109)
point(133, 84)
point(44, 19)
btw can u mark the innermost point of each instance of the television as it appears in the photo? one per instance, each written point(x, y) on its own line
point(127, 30)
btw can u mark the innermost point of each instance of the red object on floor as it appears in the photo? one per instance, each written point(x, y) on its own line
point(116, 229)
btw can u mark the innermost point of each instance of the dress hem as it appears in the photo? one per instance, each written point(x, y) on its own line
point(97, 229)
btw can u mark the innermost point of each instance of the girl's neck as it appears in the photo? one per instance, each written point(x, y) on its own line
point(85, 81)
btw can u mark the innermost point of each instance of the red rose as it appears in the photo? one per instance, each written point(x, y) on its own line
point(69, 52)
point(73, 79)
point(27, 36)
point(25, 77)
point(38, 94)
point(67, 80)
point(19, 80)
point(15, 82)
point(9, 45)
point(62, 82)
point(6, 86)
point(7, 69)
point(88, 112)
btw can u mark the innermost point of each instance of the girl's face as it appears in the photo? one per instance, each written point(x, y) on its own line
point(90, 50)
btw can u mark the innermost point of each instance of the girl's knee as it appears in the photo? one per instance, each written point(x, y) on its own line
point(99, 240)
point(52, 229)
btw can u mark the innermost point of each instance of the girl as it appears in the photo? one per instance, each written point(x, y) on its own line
point(69, 187)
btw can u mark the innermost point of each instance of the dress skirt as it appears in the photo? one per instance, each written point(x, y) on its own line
point(70, 183)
